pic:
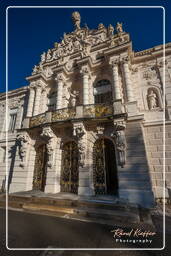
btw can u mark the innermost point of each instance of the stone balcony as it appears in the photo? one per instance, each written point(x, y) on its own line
point(91, 111)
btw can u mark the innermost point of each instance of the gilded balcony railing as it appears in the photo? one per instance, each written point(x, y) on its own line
point(63, 114)
point(83, 111)
point(37, 120)
point(98, 110)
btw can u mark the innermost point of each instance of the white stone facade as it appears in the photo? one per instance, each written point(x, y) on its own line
point(89, 88)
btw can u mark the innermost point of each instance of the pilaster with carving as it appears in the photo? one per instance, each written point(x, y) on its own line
point(80, 133)
point(120, 141)
point(48, 135)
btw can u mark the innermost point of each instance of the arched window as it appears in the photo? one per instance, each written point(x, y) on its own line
point(103, 92)
point(51, 101)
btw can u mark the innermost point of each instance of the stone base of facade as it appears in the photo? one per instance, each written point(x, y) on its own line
point(142, 198)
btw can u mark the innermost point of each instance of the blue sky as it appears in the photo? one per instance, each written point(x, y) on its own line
point(33, 30)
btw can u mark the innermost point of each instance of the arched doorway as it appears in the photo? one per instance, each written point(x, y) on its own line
point(104, 168)
point(39, 178)
point(69, 173)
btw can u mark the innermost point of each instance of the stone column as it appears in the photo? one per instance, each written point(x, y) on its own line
point(60, 83)
point(85, 74)
point(116, 88)
point(30, 102)
point(44, 101)
point(130, 96)
point(37, 99)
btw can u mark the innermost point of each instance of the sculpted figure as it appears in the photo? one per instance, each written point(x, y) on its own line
point(119, 27)
point(43, 57)
point(35, 69)
point(110, 30)
point(76, 19)
point(73, 98)
point(152, 99)
point(121, 147)
point(101, 26)
point(48, 55)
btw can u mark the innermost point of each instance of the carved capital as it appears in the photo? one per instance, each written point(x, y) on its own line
point(32, 85)
point(114, 61)
point(78, 130)
point(60, 78)
point(47, 133)
point(85, 70)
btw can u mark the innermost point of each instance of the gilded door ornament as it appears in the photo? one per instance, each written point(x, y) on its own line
point(69, 175)
point(39, 178)
point(99, 174)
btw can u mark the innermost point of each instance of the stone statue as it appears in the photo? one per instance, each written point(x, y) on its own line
point(119, 28)
point(49, 55)
point(101, 26)
point(121, 147)
point(76, 19)
point(152, 99)
point(22, 142)
point(35, 69)
point(73, 98)
point(110, 30)
point(43, 57)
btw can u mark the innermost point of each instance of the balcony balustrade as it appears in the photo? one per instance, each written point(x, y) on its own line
point(92, 111)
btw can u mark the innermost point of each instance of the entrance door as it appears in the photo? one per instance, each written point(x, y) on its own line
point(69, 175)
point(105, 170)
point(39, 178)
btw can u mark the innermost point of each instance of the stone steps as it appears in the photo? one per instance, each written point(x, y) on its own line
point(93, 210)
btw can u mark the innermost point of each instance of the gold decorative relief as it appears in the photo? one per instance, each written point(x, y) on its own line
point(63, 114)
point(98, 110)
point(37, 120)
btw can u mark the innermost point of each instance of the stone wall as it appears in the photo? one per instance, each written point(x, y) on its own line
point(134, 178)
point(154, 138)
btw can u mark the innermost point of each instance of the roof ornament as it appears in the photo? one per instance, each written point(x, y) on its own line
point(119, 28)
point(76, 18)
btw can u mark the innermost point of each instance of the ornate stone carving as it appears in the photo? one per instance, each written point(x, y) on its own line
point(47, 72)
point(22, 141)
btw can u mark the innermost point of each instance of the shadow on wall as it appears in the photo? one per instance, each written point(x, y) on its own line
point(12, 153)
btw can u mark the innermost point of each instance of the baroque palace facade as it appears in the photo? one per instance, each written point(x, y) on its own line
point(90, 122)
